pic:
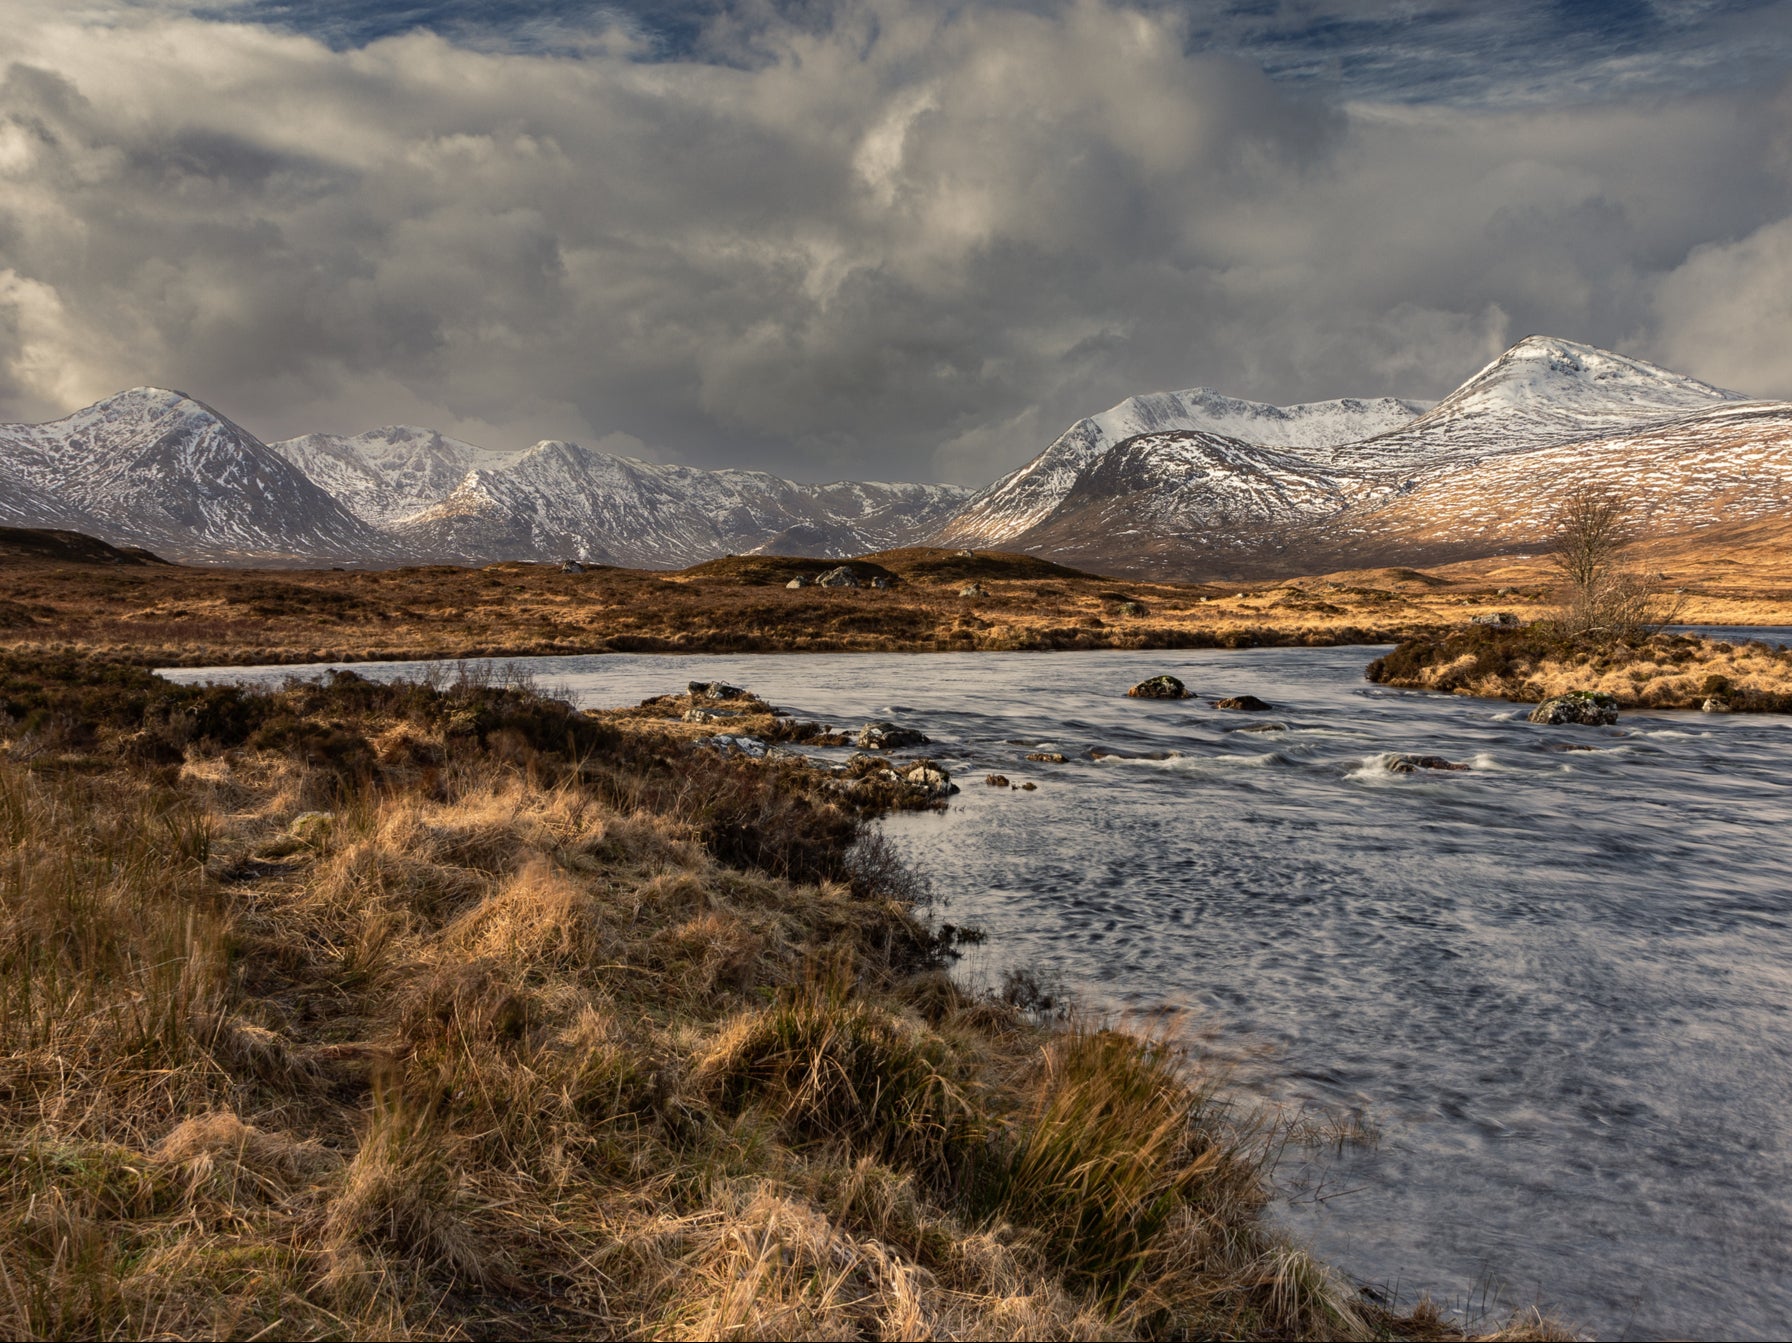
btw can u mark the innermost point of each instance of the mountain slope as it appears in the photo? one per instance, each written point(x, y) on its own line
point(156, 468)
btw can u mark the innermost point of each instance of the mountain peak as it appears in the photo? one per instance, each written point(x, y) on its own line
point(1541, 373)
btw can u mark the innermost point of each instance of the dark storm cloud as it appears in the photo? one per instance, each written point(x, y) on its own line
point(881, 239)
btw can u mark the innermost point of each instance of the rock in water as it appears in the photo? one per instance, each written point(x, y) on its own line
point(1589, 708)
point(1047, 757)
point(1715, 705)
point(838, 578)
point(882, 736)
point(1159, 687)
point(1246, 703)
point(1409, 764)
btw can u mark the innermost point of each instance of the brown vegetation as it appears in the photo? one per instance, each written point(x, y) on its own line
point(411, 1011)
point(1659, 671)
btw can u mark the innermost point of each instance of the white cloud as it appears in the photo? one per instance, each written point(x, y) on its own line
point(909, 242)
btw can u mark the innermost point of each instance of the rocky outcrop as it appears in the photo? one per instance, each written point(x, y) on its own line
point(1586, 708)
point(1159, 687)
point(842, 577)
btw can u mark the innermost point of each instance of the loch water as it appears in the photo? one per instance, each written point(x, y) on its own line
point(1559, 982)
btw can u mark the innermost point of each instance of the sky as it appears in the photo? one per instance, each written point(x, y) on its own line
point(891, 239)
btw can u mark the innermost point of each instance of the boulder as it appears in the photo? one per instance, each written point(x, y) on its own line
point(1503, 620)
point(1243, 703)
point(732, 745)
point(572, 567)
point(1715, 705)
point(996, 780)
point(715, 690)
point(839, 578)
point(1410, 764)
point(800, 581)
point(1159, 687)
point(1587, 708)
point(884, 736)
point(1133, 609)
point(879, 581)
point(930, 777)
point(973, 590)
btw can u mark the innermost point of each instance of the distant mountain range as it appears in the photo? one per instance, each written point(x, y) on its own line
point(1182, 484)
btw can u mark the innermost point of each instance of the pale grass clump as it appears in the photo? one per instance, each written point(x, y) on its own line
point(531, 1041)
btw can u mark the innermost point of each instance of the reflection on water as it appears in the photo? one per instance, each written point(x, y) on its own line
point(1558, 980)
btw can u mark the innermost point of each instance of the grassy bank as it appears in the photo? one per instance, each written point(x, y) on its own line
point(356, 1010)
point(1659, 671)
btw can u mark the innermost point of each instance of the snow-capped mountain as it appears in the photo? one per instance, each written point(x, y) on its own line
point(1481, 470)
point(158, 469)
point(563, 500)
point(387, 474)
point(1027, 497)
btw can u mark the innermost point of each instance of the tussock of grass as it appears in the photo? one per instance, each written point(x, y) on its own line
point(518, 1038)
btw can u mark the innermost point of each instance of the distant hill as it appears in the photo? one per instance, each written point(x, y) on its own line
point(28, 545)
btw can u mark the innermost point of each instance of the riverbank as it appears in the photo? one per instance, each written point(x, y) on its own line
point(432, 1012)
point(1659, 671)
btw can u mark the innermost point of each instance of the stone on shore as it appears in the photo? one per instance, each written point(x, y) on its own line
point(715, 690)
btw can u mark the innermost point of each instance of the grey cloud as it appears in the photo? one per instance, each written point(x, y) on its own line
point(905, 242)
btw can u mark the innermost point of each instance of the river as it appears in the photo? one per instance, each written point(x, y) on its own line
point(1557, 982)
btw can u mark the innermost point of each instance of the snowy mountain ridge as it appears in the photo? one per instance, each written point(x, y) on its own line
point(1186, 484)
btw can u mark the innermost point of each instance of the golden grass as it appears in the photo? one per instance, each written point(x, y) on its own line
point(513, 1038)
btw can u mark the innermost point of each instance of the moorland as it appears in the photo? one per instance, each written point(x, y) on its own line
point(80, 595)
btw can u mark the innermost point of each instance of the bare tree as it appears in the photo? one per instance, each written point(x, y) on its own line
point(1602, 595)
